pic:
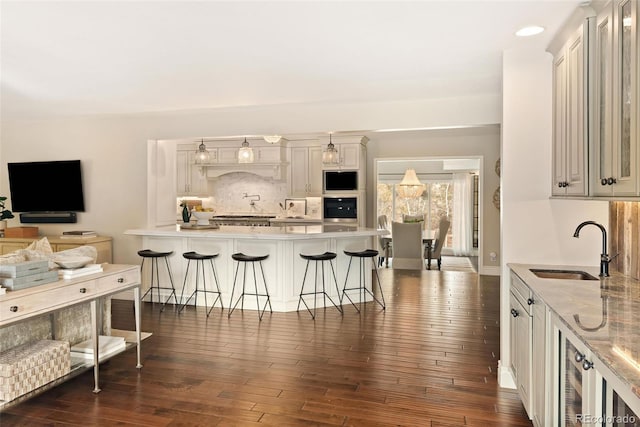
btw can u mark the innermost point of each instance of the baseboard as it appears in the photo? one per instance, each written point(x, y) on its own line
point(490, 270)
point(505, 377)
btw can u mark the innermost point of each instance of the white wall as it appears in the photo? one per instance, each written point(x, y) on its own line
point(535, 229)
point(113, 148)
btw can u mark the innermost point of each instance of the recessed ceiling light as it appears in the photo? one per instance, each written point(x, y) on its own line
point(531, 30)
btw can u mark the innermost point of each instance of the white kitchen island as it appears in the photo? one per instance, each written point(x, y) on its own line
point(284, 268)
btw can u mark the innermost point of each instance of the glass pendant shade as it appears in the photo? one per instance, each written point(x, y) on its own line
point(245, 153)
point(202, 155)
point(410, 186)
point(330, 155)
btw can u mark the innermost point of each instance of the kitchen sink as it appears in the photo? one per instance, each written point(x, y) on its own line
point(562, 274)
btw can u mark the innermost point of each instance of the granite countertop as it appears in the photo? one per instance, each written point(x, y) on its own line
point(603, 313)
point(286, 232)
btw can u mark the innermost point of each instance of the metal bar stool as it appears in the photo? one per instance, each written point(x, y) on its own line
point(200, 262)
point(361, 255)
point(321, 258)
point(242, 258)
point(155, 276)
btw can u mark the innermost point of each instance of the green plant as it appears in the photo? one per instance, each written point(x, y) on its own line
point(4, 213)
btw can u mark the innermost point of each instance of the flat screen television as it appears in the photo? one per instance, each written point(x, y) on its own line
point(54, 186)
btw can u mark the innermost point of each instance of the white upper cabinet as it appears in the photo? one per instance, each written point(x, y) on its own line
point(349, 155)
point(596, 103)
point(616, 98)
point(306, 171)
point(190, 179)
point(570, 121)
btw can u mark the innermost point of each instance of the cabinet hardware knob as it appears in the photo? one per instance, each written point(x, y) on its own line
point(514, 312)
point(560, 185)
point(529, 301)
point(120, 280)
point(586, 365)
point(612, 181)
point(603, 181)
point(13, 308)
point(579, 357)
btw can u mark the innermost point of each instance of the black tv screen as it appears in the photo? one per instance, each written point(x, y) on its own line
point(54, 186)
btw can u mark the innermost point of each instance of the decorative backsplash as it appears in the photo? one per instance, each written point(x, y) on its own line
point(624, 237)
point(227, 193)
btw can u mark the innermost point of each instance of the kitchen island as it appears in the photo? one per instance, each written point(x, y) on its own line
point(284, 268)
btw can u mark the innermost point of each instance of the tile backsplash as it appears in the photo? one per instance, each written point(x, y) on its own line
point(227, 196)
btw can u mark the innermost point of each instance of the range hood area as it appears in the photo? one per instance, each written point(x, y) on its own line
point(269, 160)
point(275, 171)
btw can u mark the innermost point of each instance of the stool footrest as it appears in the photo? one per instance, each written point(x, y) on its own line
point(362, 289)
point(200, 261)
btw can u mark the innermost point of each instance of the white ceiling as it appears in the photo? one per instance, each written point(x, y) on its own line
point(123, 57)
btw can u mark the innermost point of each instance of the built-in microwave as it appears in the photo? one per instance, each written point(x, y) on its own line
point(340, 180)
point(340, 209)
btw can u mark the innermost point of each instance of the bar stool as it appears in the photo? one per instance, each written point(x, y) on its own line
point(200, 262)
point(242, 258)
point(320, 258)
point(155, 284)
point(362, 255)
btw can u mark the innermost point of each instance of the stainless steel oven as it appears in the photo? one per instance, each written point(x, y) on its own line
point(340, 209)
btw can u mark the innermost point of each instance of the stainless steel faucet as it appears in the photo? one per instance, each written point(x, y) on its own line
point(252, 202)
point(604, 256)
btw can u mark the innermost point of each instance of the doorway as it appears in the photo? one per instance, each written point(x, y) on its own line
point(451, 189)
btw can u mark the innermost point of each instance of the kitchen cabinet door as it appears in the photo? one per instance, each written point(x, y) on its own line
point(570, 133)
point(306, 172)
point(615, 167)
point(190, 179)
point(575, 380)
point(520, 334)
point(621, 404)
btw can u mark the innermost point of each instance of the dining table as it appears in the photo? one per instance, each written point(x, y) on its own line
point(427, 240)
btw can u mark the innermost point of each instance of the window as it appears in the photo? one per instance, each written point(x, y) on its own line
point(435, 202)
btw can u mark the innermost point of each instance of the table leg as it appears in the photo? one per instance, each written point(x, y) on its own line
point(136, 309)
point(429, 255)
point(95, 336)
point(386, 254)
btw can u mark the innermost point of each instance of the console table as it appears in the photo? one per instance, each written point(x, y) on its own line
point(17, 306)
point(101, 243)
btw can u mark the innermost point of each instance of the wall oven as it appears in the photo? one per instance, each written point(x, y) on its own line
point(340, 209)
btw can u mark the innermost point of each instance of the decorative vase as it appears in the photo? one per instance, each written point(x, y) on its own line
point(186, 215)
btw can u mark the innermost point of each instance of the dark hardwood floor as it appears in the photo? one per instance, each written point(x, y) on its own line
point(430, 359)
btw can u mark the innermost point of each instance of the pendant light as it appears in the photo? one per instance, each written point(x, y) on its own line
point(330, 155)
point(272, 139)
point(245, 153)
point(410, 186)
point(202, 156)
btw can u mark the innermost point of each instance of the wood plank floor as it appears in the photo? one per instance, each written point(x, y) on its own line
point(430, 359)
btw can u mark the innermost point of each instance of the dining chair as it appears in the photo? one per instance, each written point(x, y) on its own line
point(383, 241)
point(441, 236)
point(408, 248)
